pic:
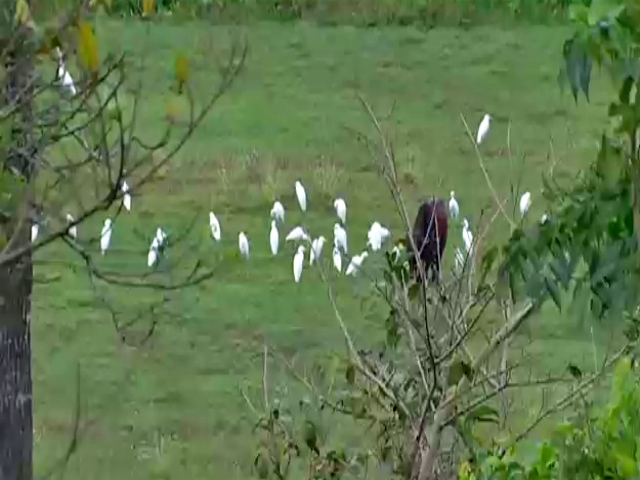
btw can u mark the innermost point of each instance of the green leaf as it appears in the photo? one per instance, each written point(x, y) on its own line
point(457, 370)
point(350, 374)
point(604, 9)
point(484, 413)
point(553, 291)
point(625, 90)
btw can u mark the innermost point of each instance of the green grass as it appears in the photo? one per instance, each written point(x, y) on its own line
point(289, 109)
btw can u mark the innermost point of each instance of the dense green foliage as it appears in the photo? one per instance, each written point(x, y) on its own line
point(598, 443)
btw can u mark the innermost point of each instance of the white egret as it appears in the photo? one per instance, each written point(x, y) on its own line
point(274, 238)
point(356, 263)
point(483, 129)
point(341, 209)
point(467, 236)
point(297, 234)
point(126, 197)
point(64, 75)
point(340, 237)
point(161, 236)
point(337, 258)
point(376, 236)
point(316, 249)
point(544, 218)
point(35, 228)
point(214, 224)
point(298, 260)
point(454, 208)
point(525, 203)
point(105, 236)
point(243, 244)
point(73, 231)
point(156, 245)
point(152, 256)
point(277, 211)
point(302, 196)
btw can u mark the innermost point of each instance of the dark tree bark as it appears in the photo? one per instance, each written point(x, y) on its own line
point(16, 280)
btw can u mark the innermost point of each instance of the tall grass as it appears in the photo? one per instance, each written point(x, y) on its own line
point(365, 13)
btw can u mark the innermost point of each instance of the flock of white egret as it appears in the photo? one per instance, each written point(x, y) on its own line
point(376, 235)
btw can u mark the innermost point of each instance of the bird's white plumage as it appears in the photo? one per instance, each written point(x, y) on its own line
point(63, 75)
point(356, 263)
point(214, 225)
point(316, 249)
point(340, 237)
point(35, 228)
point(467, 236)
point(243, 244)
point(337, 259)
point(297, 234)
point(483, 129)
point(376, 236)
point(105, 236)
point(277, 211)
point(544, 218)
point(126, 196)
point(301, 194)
point(274, 238)
point(341, 209)
point(525, 202)
point(298, 260)
point(73, 231)
point(152, 256)
point(454, 208)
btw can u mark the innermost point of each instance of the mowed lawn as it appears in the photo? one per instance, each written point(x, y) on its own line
point(290, 115)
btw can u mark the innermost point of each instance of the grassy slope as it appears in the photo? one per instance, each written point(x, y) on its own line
point(290, 107)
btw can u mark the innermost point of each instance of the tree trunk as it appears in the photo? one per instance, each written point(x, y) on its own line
point(16, 281)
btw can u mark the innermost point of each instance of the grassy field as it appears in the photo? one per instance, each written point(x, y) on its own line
point(285, 119)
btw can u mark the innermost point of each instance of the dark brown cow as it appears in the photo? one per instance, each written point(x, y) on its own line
point(430, 236)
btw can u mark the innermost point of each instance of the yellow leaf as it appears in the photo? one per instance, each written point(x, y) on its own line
point(23, 14)
point(88, 47)
point(172, 110)
point(182, 69)
point(148, 7)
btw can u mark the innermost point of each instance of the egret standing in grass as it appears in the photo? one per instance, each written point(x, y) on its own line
point(152, 256)
point(340, 237)
point(376, 236)
point(316, 249)
point(302, 196)
point(337, 258)
point(467, 236)
point(214, 225)
point(544, 218)
point(483, 129)
point(35, 228)
point(277, 212)
point(356, 263)
point(73, 231)
point(126, 197)
point(297, 234)
point(341, 209)
point(63, 75)
point(298, 260)
point(105, 236)
point(454, 208)
point(243, 245)
point(525, 203)
point(274, 238)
